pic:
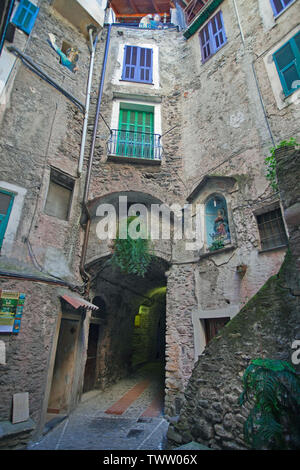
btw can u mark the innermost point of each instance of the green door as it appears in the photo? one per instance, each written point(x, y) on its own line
point(135, 134)
point(6, 202)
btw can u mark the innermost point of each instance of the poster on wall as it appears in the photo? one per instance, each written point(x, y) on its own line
point(11, 311)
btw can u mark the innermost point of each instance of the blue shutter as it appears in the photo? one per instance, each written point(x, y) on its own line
point(212, 36)
point(205, 43)
point(6, 202)
point(287, 61)
point(280, 5)
point(218, 31)
point(137, 64)
point(25, 16)
point(7, 16)
point(144, 70)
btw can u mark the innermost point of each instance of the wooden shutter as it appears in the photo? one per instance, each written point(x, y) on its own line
point(205, 43)
point(280, 5)
point(25, 16)
point(145, 65)
point(6, 202)
point(137, 65)
point(212, 36)
point(218, 31)
point(287, 61)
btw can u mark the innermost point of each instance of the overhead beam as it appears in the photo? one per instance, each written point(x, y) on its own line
point(137, 15)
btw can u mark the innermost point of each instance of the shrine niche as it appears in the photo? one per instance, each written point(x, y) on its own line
point(212, 199)
point(216, 223)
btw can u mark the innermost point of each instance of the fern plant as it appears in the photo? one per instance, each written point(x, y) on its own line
point(273, 387)
point(270, 161)
point(132, 255)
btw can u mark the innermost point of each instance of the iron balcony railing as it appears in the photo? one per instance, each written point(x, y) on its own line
point(134, 144)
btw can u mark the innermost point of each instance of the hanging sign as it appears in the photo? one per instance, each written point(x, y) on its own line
point(11, 311)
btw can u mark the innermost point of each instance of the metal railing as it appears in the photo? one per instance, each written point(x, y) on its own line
point(134, 144)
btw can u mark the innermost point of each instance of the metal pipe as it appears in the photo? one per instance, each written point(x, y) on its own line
point(87, 101)
point(99, 102)
point(30, 277)
point(83, 272)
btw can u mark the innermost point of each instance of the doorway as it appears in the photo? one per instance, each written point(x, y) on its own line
point(61, 392)
point(90, 371)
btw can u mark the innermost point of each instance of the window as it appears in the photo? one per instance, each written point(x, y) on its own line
point(25, 16)
point(271, 230)
point(287, 61)
point(135, 133)
point(216, 222)
point(212, 36)
point(280, 5)
point(213, 326)
point(6, 202)
point(137, 66)
point(59, 195)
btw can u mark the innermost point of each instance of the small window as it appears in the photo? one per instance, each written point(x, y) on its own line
point(25, 16)
point(212, 36)
point(6, 202)
point(59, 195)
point(213, 326)
point(137, 66)
point(271, 230)
point(287, 61)
point(280, 5)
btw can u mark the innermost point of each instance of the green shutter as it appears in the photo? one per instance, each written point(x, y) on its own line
point(6, 202)
point(135, 134)
point(287, 61)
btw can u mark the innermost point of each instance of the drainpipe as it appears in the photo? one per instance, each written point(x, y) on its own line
point(83, 273)
point(91, 30)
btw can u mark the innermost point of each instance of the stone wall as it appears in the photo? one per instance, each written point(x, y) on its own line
point(266, 327)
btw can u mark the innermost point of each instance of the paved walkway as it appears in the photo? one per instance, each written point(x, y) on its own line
point(127, 416)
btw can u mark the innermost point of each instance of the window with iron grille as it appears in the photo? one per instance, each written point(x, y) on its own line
point(271, 230)
point(137, 65)
point(212, 36)
point(287, 61)
point(280, 5)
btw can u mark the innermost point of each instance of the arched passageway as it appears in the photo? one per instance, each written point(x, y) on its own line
point(127, 336)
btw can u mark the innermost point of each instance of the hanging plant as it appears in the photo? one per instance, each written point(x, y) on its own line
point(132, 255)
point(270, 161)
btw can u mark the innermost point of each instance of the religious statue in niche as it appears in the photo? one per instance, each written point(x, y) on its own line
point(221, 228)
point(69, 58)
point(217, 227)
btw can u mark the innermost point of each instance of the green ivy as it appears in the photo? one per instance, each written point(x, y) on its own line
point(132, 256)
point(273, 388)
point(270, 161)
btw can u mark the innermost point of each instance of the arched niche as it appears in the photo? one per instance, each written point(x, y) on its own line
point(217, 231)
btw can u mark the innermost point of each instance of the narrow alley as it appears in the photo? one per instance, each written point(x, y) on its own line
point(127, 416)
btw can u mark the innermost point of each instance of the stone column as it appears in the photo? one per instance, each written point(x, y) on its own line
point(288, 176)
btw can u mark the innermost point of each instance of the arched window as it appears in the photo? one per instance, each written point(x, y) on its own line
point(216, 222)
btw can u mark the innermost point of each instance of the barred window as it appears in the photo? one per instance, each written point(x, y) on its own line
point(271, 229)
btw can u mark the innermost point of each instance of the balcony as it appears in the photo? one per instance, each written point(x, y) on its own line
point(134, 146)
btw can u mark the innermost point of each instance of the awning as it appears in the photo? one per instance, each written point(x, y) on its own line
point(78, 302)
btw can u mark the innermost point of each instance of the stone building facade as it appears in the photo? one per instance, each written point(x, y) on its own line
point(212, 120)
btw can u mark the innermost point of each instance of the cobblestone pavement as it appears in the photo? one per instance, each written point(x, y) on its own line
point(141, 425)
